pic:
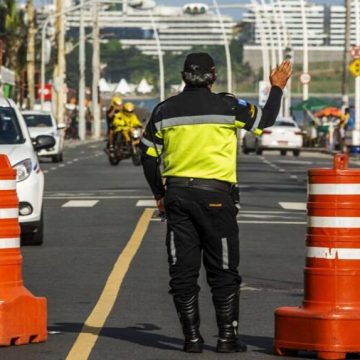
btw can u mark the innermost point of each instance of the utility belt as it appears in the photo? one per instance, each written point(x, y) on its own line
point(205, 184)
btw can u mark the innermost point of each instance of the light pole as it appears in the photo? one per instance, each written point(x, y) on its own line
point(357, 79)
point(81, 102)
point(264, 45)
point(160, 56)
point(96, 72)
point(305, 49)
point(149, 5)
point(227, 48)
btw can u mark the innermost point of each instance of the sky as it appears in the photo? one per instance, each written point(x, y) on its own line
point(235, 13)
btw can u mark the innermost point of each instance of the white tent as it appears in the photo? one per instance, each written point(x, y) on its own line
point(144, 87)
point(104, 86)
point(123, 87)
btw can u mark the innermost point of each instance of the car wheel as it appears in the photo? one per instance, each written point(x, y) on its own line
point(282, 152)
point(56, 158)
point(245, 150)
point(35, 237)
point(296, 152)
point(258, 149)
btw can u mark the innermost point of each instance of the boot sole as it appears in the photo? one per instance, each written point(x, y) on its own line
point(227, 348)
point(193, 348)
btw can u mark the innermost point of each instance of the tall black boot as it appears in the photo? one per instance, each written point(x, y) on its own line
point(227, 317)
point(188, 312)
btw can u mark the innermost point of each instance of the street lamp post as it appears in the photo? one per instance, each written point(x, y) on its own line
point(227, 48)
point(357, 79)
point(82, 129)
point(305, 49)
point(160, 56)
point(96, 72)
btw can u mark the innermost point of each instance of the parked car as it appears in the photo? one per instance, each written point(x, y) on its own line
point(285, 135)
point(43, 123)
point(15, 142)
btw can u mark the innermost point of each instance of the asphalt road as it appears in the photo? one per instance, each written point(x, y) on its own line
point(103, 261)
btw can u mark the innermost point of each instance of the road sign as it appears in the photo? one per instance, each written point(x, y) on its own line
point(354, 67)
point(305, 78)
point(355, 52)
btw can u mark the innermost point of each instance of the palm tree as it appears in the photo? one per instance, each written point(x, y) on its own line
point(12, 32)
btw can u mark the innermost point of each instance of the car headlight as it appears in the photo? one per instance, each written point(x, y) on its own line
point(23, 169)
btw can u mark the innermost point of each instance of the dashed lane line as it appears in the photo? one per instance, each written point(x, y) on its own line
point(80, 203)
point(89, 334)
point(146, 203)
point(293, 205)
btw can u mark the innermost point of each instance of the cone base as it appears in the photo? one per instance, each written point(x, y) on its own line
point(23, 317)
point(330, 333)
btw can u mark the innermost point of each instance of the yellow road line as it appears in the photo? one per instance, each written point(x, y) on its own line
point(90, 332)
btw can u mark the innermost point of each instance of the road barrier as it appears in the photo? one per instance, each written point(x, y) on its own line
point(23, 317)
point(329, 320)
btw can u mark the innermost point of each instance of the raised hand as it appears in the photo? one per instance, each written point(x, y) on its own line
point(281, 74)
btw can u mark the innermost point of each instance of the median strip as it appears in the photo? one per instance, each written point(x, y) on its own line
point(89, 334)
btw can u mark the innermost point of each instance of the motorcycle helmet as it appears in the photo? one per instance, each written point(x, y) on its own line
point(116, 101)
point(129, 107)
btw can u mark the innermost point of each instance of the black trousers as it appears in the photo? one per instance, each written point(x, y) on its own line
point(201, 224)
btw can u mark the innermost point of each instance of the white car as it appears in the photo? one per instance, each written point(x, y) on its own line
point(15, 142)
point(43, 123)
point(285, 135)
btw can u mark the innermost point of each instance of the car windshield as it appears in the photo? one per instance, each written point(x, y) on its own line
point(284, 123)
point(10, 132)
point(37, 120)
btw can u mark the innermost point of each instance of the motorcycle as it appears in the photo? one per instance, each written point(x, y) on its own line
point(125, 148)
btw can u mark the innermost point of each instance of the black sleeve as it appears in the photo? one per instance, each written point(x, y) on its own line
point(151, 148)
point(151, 167)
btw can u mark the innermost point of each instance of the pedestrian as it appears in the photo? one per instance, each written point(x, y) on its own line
point(195, 135)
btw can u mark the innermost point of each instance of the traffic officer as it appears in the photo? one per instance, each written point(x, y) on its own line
point(194, 133)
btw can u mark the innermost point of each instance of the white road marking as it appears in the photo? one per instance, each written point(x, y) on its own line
point(298, 162)
point(75, 160)
point(96, 197)
point(282, 170)
point(54, 168)
point(260, 222)
point(273, 222)
point(81, 203)
point(263, 216)
point(62, 165)
point(293, 177)
point(146, 203)
point(45, 171)
point(69, 162)
point(293, 205)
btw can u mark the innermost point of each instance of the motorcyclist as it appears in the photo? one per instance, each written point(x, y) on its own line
point(125, 121)
point(131, 119)
point(115, 108)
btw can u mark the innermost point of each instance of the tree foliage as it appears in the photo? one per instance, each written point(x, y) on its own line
point(131, 64)
point(13, 33)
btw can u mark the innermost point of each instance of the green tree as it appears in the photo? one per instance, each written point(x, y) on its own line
point(13, 33)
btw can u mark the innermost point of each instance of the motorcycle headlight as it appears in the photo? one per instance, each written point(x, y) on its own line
point(23, 169)
point(136, 132)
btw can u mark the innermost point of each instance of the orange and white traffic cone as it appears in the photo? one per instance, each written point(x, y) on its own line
point(23, 317)
point(329, 320)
